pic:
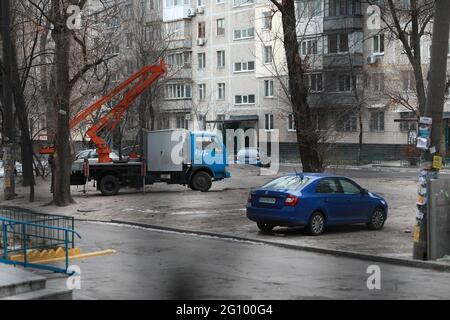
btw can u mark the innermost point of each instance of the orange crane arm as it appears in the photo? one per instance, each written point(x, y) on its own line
point(140, 81)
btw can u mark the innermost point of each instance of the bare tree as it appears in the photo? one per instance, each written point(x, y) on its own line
point(72, 61)
point(409, 23)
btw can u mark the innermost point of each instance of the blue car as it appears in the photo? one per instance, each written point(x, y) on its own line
point(315, 201)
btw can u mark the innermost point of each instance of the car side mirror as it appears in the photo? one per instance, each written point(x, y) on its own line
point(364, 192)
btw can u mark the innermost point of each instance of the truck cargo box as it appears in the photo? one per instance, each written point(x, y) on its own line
point(167, 150)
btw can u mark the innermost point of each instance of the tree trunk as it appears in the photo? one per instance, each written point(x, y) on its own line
point(7, 102)
point(360, 138)
point(22, 115)
point(63, 155)
point(307, 137)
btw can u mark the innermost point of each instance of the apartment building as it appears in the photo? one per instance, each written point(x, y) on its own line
point(227, 70)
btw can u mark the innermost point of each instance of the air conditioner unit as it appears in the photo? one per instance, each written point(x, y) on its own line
point(188, 117)
point(201, 41)
point(200, 10)
point(191, 12)
point(372, 59)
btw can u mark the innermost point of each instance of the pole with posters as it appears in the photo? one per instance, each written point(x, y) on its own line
point(431, 126)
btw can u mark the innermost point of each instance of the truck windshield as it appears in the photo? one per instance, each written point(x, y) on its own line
point(208, 143)
point(288, 183)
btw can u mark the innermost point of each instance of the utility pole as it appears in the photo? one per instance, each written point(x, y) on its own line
point(8, 106)
point(434, 110)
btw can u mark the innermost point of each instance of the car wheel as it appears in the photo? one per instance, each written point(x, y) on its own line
point(201, 181)
point(109, 186)
point(265, 227)
point(376, 219)
point(316, 225)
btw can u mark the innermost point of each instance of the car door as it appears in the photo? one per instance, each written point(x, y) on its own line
point(355, 208)
point(329, 198)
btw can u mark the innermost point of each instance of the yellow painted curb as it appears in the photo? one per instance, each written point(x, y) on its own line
point(49, 256)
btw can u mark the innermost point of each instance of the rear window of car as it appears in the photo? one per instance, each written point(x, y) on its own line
point(288, 183)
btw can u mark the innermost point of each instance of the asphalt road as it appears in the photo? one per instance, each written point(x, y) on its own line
point(163, 265)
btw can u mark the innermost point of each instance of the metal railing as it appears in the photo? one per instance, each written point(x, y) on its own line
point(23, 231)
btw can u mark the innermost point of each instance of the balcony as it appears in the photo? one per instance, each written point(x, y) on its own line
point(179, 12)
point(343, 60)
point(355, 22)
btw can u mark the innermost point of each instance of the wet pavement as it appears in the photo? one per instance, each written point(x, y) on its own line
point(222, 210)
point(165, 265)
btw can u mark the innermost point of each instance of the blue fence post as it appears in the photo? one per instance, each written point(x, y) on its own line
point(67, 249)
point(5, 240)
point(25, 260)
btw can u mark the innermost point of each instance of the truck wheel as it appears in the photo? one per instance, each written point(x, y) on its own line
point(201, 181)
point(109, 186)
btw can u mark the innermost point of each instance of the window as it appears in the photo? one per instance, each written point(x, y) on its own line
point(308, 47)
point(220, 91)
point(377, 82)
point(315, 82)
point(164, 123)
point(408, 121)
point(182, 122)
point(247, 33)
point(288, 183)
point(130, 67)
point(201, 60)
point(112, 23)
point(347, 123)
point(244, 99)
point(327, 186)
point(268, 88)
point(408, 81)
point(291, 122)
point(220, 1)
point(267, 54)
point(115, 76)
point(348, 187)
point(309, 8)
point(320, 119)
point(338, 43)
point(344, 7)
point(378, 43)
point(377, 121)
point(173, 3)
point(200, 3)
point(201, 29)
point(267, 20)
point(202, 91)
point(221, 59)
point(406, 4)
point(178, 91)
point(129, 39)
point(220, 23)
point(268, 121)
point(244, 66)
point(344, 82)
point(113, 49)
point(238, 3)
point(128, 11)
point(175, 59)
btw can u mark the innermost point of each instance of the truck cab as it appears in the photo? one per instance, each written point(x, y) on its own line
point(193, 158)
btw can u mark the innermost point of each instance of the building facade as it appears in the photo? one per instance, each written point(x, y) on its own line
point(227, 70)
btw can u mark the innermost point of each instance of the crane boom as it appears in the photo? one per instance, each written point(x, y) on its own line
point(136, 84)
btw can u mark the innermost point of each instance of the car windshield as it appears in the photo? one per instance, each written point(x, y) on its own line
point(288, 183)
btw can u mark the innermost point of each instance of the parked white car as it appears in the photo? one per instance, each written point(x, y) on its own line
point(18, 169)
point(92, 156)
point(253, 156)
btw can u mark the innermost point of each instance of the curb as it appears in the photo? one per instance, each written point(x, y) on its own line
point(339, 253)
